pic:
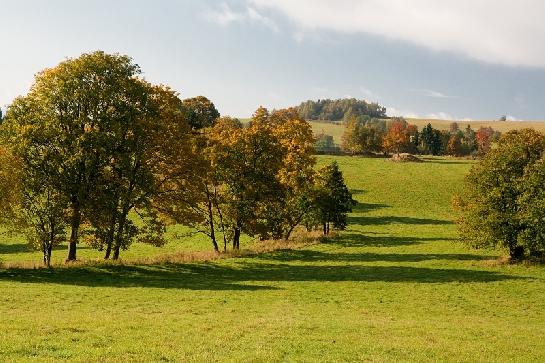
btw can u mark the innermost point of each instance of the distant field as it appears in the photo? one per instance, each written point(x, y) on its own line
point(502, 126)
point(336, 129)
point(395, 286)
point(329, 128)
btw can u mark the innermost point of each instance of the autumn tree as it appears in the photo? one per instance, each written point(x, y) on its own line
point(493, 210)
point(484, 138)
point(363, 135)
point(397, 138)
point(67, 110)
point(198, 195)
point(246, 160)
point(150, 157)
point(469, 143)
point(454, 146)
point(261, 174)
point(107, 141)
point(295, 175)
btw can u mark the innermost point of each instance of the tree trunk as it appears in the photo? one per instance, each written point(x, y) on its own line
point(116, 252)
point(516, 252)
point(48, 252)
point(288, 233)
point(74, 233)
point(236, 238)
point(211, 222)
point(119, 235)
point(44, 250)
point(325, 229)
point(108, 250)
point(110, 239)
point(222, 225)
point(328, 228)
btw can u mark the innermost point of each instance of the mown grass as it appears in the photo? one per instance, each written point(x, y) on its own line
point(396, 286)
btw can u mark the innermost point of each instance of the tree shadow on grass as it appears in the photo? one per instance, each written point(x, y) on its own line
point(12, 248)
point(248, 275)
point(452, 162)
point(203, 276)
point(367, 207)
point(382, 220)
point(361, 240)
point(318, 256)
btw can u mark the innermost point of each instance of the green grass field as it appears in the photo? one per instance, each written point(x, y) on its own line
point(395, 286)
point(336, 129)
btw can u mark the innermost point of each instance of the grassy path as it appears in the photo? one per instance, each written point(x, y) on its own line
point(395, 286)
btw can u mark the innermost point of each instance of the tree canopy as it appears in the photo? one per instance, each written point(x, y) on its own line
point(502, 199)
point(336, 110)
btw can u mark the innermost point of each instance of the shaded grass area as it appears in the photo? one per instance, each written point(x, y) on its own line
point(396, 286)
point(212, 276)
point(14, 248)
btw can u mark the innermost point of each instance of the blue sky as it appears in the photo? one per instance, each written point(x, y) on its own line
point(436, 59)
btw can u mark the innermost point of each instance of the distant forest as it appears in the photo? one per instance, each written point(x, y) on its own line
point(336, 110)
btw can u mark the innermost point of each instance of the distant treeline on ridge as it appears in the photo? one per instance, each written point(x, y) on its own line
point(336, 110)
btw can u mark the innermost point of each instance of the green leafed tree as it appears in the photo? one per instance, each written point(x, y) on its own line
point(30, 204)
point(363, 135)
point(60, 124)
point(500, 201)
point(333, 201)
point(200, 112)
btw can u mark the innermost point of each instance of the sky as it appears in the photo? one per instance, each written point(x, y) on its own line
point(449, 59)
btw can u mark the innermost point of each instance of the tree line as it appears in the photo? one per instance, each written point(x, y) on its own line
point(96, 154)
point(366, 135)
point(336, 110)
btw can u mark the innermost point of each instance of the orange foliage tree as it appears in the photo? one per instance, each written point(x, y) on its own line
point(398, 137)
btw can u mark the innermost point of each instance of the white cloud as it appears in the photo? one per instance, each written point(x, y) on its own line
point(512, 118)
point(493, 31)
point(433, 94)
point(440, 116)
point(253, 15)
point(394, 112)
point(224, 15)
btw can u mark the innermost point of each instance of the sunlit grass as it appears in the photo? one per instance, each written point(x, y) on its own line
point(396, 286)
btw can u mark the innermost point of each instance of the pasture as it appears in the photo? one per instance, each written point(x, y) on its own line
point(397, 285)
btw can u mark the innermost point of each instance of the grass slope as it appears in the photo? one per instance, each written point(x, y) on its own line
point(395, 286)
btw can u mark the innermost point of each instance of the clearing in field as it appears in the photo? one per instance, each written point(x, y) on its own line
point(397, 285)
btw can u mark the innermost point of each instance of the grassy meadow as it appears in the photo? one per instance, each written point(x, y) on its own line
point(397, 285)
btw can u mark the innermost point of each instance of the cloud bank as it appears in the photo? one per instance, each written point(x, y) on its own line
point(504, 32)
point(225, 15)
